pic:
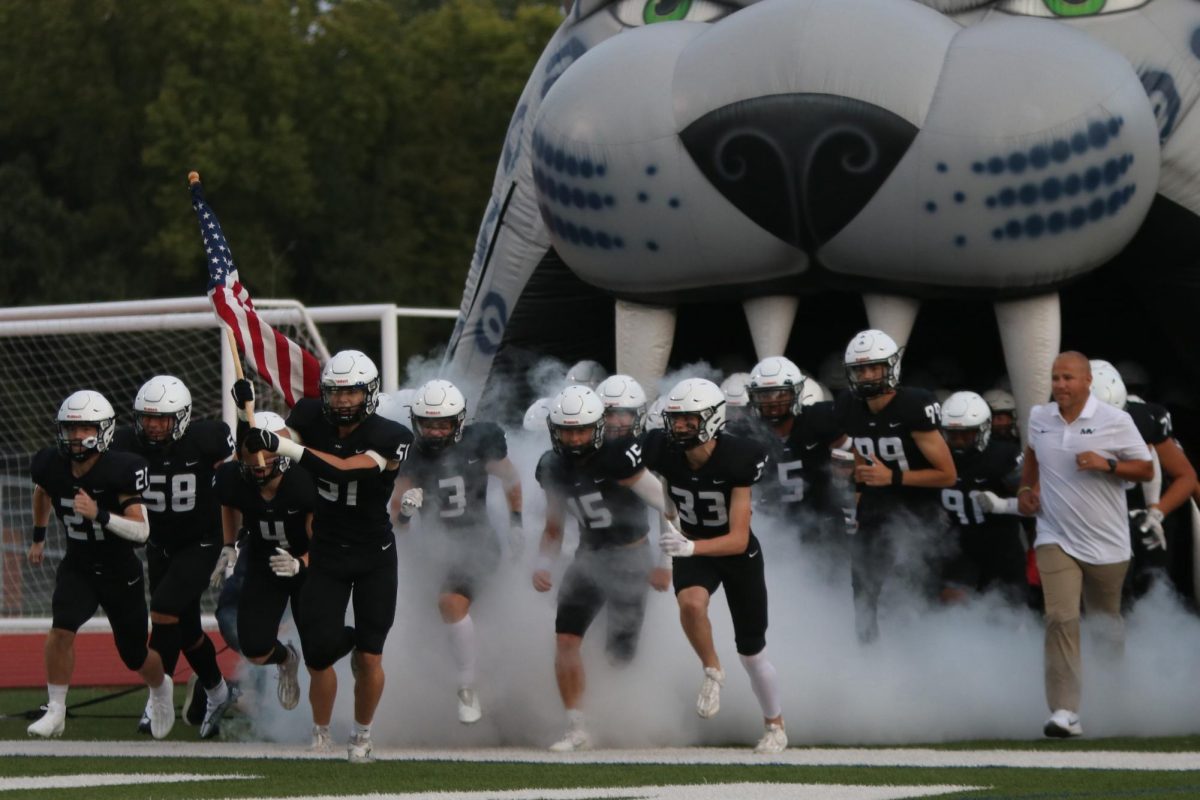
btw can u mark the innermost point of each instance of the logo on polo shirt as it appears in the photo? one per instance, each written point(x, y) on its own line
point(1086, 430)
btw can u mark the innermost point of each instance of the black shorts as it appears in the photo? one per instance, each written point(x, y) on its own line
point(336, 573)
point(745, 590)
point(617, 577)
point(263, 599)
point(118, 588)
point(178, 579)
point(987, 556)
point(468, 560)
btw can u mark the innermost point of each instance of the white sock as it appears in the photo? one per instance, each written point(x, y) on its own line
point(218, 693)
point(574, 718)
point(765, 683)
point(57, 694)
point(462, 649)
point(360, 730)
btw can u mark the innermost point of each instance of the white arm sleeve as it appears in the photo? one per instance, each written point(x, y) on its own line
point(130, 529)
point(649, 490)
point(1152, 489)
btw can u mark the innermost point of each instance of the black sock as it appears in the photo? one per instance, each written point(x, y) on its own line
point(203, 658)
point(278, 654)
point(164, 640)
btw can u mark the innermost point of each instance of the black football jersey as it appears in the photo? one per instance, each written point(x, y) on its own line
point(455, 479)
point(797, 473)
point(278, 522)
point(112, 475)
point(887, 436)
point(997, 469)
point(702, 496)
point(609, 514)
point(180, 498)
point(353, 508)
point(1154, 424)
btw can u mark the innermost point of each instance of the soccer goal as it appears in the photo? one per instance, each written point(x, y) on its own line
point(47, 352)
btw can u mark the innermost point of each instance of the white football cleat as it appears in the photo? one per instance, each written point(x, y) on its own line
point(469, 711)
point(359, 749)
point(708, 702)
point(576, 739)
point(322, 742)
point(288, 690)
point(1063, 724)
point(162, 709)
point(215, 709)
point(773, 741)
point(51, 724)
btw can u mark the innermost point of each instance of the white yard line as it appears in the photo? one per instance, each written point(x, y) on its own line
point(851, 757)
point(108, 779)
point(714, 791)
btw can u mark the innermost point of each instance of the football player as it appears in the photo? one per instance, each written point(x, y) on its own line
point(185, 534)
point(737, 400)
point(708, 475)
point(586, 373)
point(1004, 415)
point(273, 502)
point(981, 504)
point(353, 455)
point(599, 481)
point(1148, 503)
point(624, 407)
point(97, 495)
point(901, 460)
point(446, 476)
point(799, 439)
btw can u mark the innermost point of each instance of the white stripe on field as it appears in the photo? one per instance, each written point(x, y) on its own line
point(709, 791)
point(85, 781)
point(805, 757)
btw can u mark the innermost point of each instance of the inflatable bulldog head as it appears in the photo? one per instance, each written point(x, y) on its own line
point(673, 151)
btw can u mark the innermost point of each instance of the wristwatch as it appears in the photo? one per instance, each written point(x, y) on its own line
point(1112, 465)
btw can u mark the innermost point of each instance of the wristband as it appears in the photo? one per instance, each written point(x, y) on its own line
point(514, 518)
point(102, 517)
point(1024, 489)
point(290, 449)
point(897, 477)
point(39, 534)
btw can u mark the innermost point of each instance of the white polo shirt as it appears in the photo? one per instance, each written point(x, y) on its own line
point(1084, 513)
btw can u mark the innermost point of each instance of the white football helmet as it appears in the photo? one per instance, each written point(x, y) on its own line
point(695, 397)
point(85, 407)
point(586, 373)
point(622, 393)
point(349, 369)
point(1000, 401)
point(162, 396)
point(872, 347)
point(438, 400)
point(396, 406)
point(1107, 384)
point(654, 414)
point(576, 407)
point(965, 412)
point(536, 414)
point(734, 389)
point(814, 392)
point(775, 389)
point(273, 464)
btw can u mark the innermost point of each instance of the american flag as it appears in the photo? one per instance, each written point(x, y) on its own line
point(287, 366)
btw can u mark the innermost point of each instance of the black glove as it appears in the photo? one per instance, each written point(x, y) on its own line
point(243, 392)
point(258, 439)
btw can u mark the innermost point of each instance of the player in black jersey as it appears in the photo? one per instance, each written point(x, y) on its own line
point(624, 402)
point(708, 474)
point(1149, 505)
point(185, 531)
point(601, 482)
point(446, 476)
point(96, 494)
point(798, 484)
point(901, 460)
point(273, 503)
point(354, 455)
point(982, 503)
point(1004, 414)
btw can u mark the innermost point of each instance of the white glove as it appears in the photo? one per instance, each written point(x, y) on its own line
point(1149, 523)
point(673, 543)
point(410, 501)
point(284, 564)
point(225, 562)
point(850, 516)
point(516, 542)
point(992, 503)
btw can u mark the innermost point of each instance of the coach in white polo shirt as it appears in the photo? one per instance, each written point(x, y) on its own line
point(1080, 454)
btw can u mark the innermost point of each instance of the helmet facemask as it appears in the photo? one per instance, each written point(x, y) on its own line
point(339, 414)
point(632, 422)
point(693, 436)
point(886, 382)
point(177, 425)
point(83, 448)
point(774, 403)
point(255, 475)
point(580, 449)
point(961, 444)
point(434, 437)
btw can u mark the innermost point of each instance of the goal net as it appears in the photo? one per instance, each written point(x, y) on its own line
point(48, 352)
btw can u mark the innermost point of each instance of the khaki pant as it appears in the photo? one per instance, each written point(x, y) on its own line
point(1064, 581)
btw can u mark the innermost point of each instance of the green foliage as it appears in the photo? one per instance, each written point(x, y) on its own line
point(348, 147)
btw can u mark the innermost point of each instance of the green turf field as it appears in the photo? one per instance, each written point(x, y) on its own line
point(541, 775)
